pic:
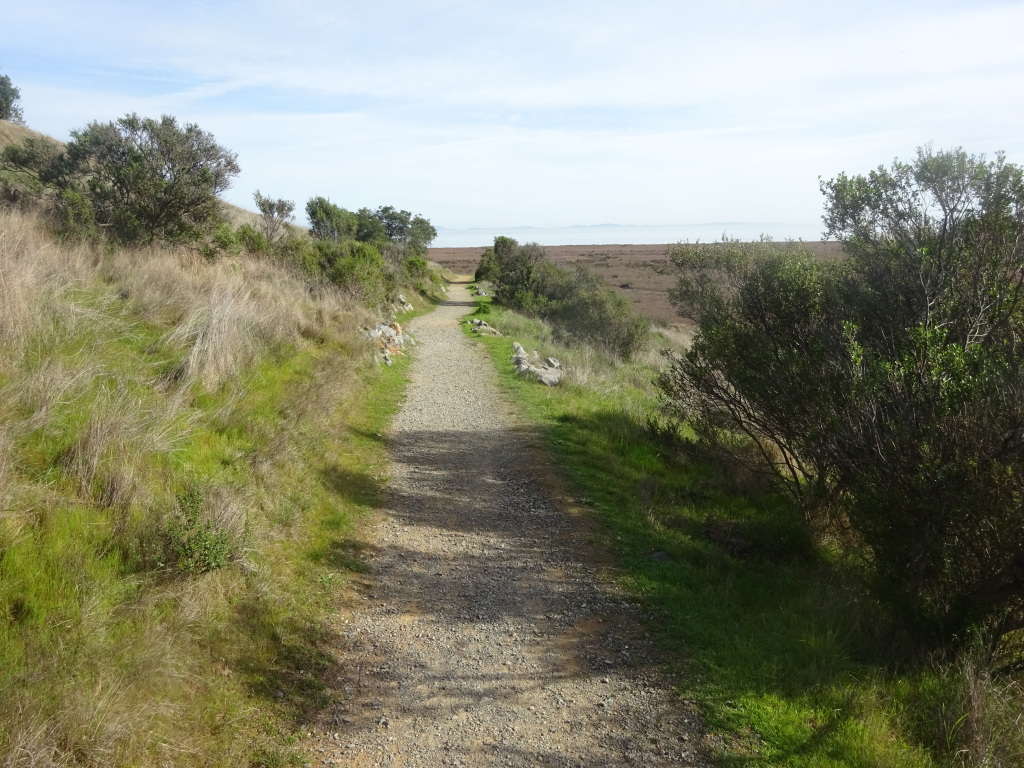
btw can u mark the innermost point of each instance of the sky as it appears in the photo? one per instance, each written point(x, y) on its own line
point(539, 113)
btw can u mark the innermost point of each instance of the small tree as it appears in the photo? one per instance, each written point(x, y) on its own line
point(330, 222)
point(9, 96)
point(369, 227)
point(143, 179)
point(275, 214)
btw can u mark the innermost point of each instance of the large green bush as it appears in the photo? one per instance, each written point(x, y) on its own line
point(144, 179)
point(578, 304)
point(887, 387)
point(359, 268)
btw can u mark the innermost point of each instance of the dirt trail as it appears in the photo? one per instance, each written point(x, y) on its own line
point(486, 638)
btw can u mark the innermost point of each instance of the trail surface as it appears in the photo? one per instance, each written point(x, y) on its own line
point(485, 635)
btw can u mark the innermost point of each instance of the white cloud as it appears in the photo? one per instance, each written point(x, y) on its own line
point(538, 113)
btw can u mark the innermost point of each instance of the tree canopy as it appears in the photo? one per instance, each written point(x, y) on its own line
point(9, 96)
point(139, 178)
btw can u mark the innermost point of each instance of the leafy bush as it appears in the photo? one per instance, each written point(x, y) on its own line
point(10, 109)
point(251, 240)
point(194, 545)
point(888, 386)
point(488, 269)
point(274, 215)
point(145, 179)
point(328, 221)
point(603, 319)
point(416, 267)
point(223, 240)
point(578, 303)
point(75, 216)
point(359, 268)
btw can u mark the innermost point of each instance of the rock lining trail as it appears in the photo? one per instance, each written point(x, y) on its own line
point(484, 634)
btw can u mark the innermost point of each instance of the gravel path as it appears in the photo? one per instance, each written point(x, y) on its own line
point(486, 638)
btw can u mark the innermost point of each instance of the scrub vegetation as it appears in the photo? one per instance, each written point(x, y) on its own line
point(577, 305)
point(819, 498)
point(189, 437)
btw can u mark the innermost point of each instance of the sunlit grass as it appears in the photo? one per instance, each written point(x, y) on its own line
point(129, 381)
point(769, 633)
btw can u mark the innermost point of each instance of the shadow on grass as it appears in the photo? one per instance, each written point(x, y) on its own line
point(354, 486)
point(762, 622)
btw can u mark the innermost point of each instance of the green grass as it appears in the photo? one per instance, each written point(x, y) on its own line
point(172, 552)
point(760, 626)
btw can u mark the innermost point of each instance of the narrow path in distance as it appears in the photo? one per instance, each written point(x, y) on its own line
point(486, 636)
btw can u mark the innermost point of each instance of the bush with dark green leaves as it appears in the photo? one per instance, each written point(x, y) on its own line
point(330, 222)
point(252, 240)
point(886, 387)
point(10, 109)
point(358, 268)
point(145, 180)
point(578, 304)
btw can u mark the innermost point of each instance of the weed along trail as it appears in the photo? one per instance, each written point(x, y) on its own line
point(482, 636)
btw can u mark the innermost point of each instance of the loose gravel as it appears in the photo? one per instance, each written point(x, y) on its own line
point(484, 634)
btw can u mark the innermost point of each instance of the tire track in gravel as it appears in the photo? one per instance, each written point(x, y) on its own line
point(486, 636)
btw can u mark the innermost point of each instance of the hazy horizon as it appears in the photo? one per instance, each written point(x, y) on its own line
point(625, 234)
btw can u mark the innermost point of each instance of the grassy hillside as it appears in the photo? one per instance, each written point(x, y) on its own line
point(186, 447)
point(12, 133)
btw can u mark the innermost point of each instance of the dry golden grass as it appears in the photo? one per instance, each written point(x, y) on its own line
point(11, 133)
point(125, 376)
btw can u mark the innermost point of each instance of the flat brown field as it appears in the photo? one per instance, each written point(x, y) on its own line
point(643, 273)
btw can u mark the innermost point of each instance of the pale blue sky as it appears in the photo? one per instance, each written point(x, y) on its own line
point(547, 114)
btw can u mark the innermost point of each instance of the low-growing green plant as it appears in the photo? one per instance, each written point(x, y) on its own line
point(251, 240)
point(193, 543)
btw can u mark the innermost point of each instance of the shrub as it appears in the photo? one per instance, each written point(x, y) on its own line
point(274, 215)
point(488, 269)
point(10, 109)
point(251, 240)
point(603, 319)
point(194, 545)
point(889, 385)
point(222, 241)
point(578, 304)
point(328, 221)
point(298, 251)
point(74, 215)
point(416, 267)
point(359, 268)
point(145, 179)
